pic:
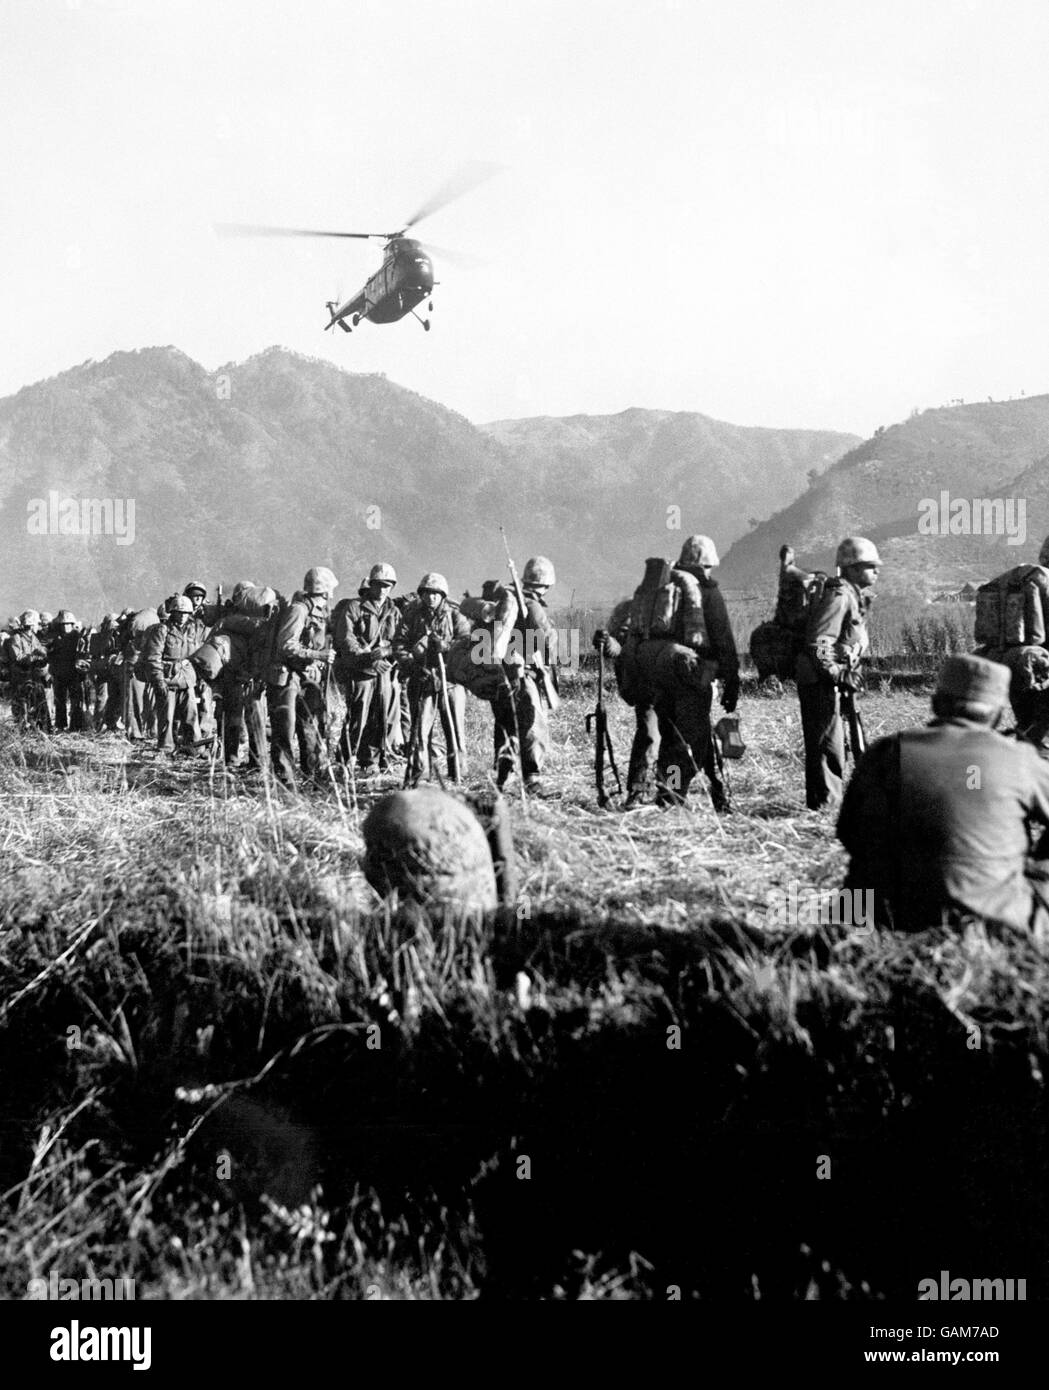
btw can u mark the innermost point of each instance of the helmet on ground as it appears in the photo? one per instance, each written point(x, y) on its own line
point(196, 587)
point(539, 570)
point(319, 580)
point(382, 574)
point(29, 616)
point(857, 550)
point(66, 618)
point(181, 604)
point(435, 581)
point(699, 550)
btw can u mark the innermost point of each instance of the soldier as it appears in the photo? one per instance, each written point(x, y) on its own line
point(25, 663)
point(522, 729)
point(165, 659)
point(202, 619)
point(935, 843)
point(205, 614)
point(69, 666)
point(249, 625)
point(104, 655)
point(1012, 627)
point(299, 680)
point(140, 710)
point(363, 636)
point(670, 643)
point(836, 640)
point(47, 633)
point(613, 643)
point(424, 635)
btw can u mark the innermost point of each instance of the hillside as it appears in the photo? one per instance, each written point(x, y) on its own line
point(615, 478)
point(263, 468)
point(992, 451)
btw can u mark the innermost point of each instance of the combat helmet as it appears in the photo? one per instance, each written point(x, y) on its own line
point(857, 550)
point(240, 589)
point(698, 550)
point(319, 580)
point(46, 619)
point(195, 587)
point(29, 617)
point(539, 570)
point(65, 616)
point(435, 581)
point(180, 604)
point(1043, 554)
point(382, 574)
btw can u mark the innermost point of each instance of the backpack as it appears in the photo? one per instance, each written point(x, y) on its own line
point(1009, 609)
point(775, 645)
point(654, 606)
point(798, 595)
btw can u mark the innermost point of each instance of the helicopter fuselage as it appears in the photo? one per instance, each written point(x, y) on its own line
point(404, 280)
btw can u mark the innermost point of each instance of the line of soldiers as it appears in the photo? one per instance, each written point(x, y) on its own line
point(255, 673)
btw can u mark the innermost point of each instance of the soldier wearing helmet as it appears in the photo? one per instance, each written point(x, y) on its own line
point(363, 630)
point(67, 672)
point(298, 693)
point(526, 644)
point(139, 704)
point(243, 640)
point(166, 661)
point(423, 637)
point(670, 642)
point(203, 618)
point(836, 640)
point(25, 663)
point(925, 845)
point(105, 657)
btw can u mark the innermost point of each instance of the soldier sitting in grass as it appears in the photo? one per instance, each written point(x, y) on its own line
point(946, 823)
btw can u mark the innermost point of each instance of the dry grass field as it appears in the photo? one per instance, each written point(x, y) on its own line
point(229, 1073)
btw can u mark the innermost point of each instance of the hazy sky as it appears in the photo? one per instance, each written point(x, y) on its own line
point(778, 212)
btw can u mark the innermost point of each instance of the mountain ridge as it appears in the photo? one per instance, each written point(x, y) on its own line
point(267, 466)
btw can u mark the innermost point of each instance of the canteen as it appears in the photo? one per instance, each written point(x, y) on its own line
point(727, 730)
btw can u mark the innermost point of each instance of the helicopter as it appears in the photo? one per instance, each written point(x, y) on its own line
point(405, 277)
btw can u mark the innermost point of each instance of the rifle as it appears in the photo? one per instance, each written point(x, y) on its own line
point(599, 719)
point(856, 736)
point(455, 751)
point(546, 683)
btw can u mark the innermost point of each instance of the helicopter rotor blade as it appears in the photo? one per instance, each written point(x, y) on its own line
point(466, 178)
point(248, 229)
point(462, 260)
